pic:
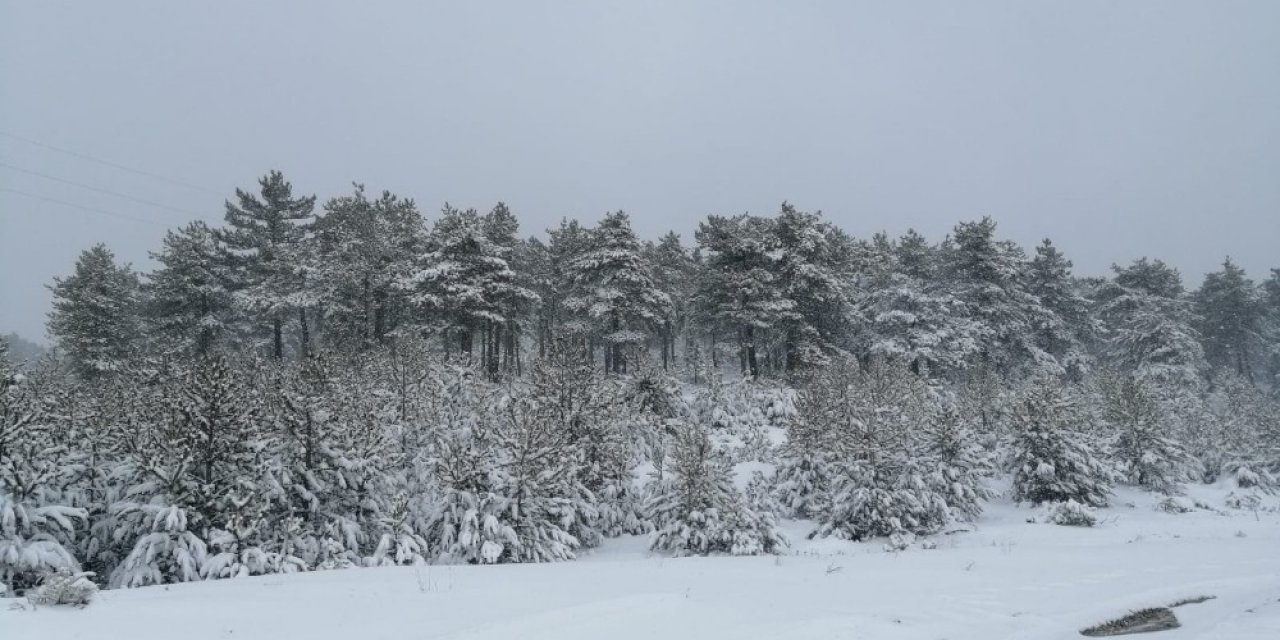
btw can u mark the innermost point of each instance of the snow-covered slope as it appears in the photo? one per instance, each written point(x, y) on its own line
point(1006, 579)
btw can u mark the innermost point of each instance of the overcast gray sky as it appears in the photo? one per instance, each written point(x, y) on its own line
point(1119, 129)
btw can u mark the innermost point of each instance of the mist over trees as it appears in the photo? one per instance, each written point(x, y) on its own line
point(321, 385)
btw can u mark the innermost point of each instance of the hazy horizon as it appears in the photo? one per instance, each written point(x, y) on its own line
point(1117, 129)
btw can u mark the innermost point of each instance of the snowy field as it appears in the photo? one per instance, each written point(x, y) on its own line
point(1006, 578)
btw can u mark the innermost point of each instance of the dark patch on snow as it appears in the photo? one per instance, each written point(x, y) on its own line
point(1196, 600)
point(1142, 621)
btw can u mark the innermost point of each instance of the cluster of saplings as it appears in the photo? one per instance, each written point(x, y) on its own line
point(301, 390)
point(231, 466)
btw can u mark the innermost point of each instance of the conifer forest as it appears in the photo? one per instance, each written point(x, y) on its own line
point(356, 383)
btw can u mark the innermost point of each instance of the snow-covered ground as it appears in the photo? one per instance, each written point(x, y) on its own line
point(1007, 578)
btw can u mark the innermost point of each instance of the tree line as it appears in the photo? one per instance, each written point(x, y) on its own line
point(300, 390)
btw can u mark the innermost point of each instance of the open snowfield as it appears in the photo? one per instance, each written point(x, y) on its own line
point(1006, 579)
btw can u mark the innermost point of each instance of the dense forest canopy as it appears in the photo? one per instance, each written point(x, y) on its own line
point(352, 383)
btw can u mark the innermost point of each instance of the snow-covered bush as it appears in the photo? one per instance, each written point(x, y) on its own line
point(1176, 504)
point(1071, 514)
point(882, 499)
point(234, 559)
point(802, 483)
point(164, 551)
point(958, 466)
point(1051, 460)
point(887, 475)
point(31, 541)
point(64, 587)
point(469, 527)
point(1144, 456)
point(1243, 500)
point(1246, 478)
point(1236, 426)
point(699, 511)
point(760, 496)
point(620, 509)
point(507, 482)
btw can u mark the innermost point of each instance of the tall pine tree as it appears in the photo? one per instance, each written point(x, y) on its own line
point(264, 251)
point(95, 316)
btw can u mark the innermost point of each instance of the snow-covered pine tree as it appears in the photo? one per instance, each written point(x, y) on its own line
point(92, 423)
point(614, 292)
point(502, 229)
point(815, 265)
point(1269, 300)
point(602, 423)
point(1228, 316)
point(988, 276)
point(958, 466)
point(201, 461)
point(96, 311)
point(1064, 327)
point(332, 478)
point(1238, 433)
point(362, 247)
point(1146, 453)
point(552, 281)
point(674, 273)
point(699, 511)
point(905, 313)
point(740, 293)
point(880, 485)
point(265, 257)
point(1148, 325)
point(188, 302)
point(36, 528)
point(465, 286)
point(804, 472)
point(462, 510)
point(1052, 460)
point(547, 501)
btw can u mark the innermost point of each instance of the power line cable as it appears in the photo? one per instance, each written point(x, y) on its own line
point(109, 192)
point(82, 207)
point(111, 164)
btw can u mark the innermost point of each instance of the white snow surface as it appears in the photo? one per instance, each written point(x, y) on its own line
point(1001, 578)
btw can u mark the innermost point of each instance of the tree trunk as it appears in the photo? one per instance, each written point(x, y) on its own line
point(304, 335)
point(666, 363)
point(715, 357)
point(494, 348)
point(277, 338)
point(791, 354)
point(511, 359)
point(464, 343)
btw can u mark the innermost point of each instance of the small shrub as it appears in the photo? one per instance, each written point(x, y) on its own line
point(1175, 504)
point(1243, 501)
point(64, 587)
point(1071, 514)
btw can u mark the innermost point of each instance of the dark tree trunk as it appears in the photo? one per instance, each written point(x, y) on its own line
point(304, 335)
point(512, 345)
point(277, 338)
point(666, 338)
point(791, 354)
point(464, 343)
